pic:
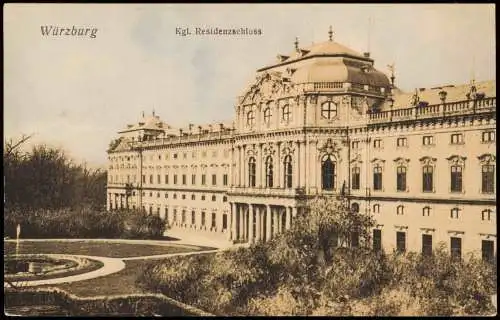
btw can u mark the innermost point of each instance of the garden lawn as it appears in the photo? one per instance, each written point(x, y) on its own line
point(100, 249)
point(122, 282)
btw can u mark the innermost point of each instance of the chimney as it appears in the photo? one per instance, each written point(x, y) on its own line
point(366, 54)
point(221, 126)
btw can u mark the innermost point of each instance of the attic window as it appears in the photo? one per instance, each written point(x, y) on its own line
point(141, 123)
point(282, 58)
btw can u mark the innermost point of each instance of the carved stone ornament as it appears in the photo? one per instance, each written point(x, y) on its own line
point(268, 149)
point(329, 147)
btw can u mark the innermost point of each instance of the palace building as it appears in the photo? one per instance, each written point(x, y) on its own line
point(322, 120)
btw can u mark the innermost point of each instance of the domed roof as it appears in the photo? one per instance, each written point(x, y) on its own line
point(339, 70)
point(332, 48)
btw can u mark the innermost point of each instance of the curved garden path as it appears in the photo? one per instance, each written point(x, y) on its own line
point(111, 265)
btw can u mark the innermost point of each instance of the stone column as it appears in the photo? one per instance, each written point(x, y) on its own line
point(238, 168)
point(232, 174)
point(296, 170)
point(244, 168)
point(278, 175)
point(268, 222)
point(276, 221)
point(259, 183)
point(306, 164)
point(288, 217)
point(258, 224)
point(240, 221)
point(251, 211)
point(232, 234)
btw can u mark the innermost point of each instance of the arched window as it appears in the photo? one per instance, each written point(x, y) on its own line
point(327, 173)
point(251, 172)
point(250, 118)
point(377, 177)
point(286, 113)
point(355, 183)
point(456, 178)
point(287, 166)
point(328, 110)
point(267, 115)
point(355, 207)
point(427, 175)
point(401, 178)
point(269, 172)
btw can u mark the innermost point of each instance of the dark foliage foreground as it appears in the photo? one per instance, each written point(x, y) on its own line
point(300, 273)
point(83, 223)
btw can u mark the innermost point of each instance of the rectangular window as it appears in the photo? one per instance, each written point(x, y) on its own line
point(402, 142)
point(354, 239)
point(427, 140)
point(175, 215)
point(193, 218)
point(355, 185)
point(203, 218)
point(377, 178)
point(377, 239)
point(213, 219)
point(488, 136)
point(456, 247)
point(183, 216)
point(457, 138)
point(151, 179)
point(175, 179)
point(184, 179)
point(486, 215)
point(214, 179)
point(203, 179)
point(224, 221)
point(401, 241)
point(401, 178)
point(427, 175)
point(166, 179)
point(193, 179)
point(456, 179)
point(224, 179)
point(377, 143)
point(175, 155)
point(426, 211)
point(158, 177)
point(454, 213)
point(193, 197)
point(488, 179)
point(427, 244)
point(487, 250)
point(166, 214)
point(355, 144)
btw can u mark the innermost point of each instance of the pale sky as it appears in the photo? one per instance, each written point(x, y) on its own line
point(77, 92)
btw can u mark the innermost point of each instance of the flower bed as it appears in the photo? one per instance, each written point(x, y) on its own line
point(51, 267)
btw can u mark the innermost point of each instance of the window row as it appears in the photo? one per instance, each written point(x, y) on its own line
point(183, 179)
point(183, 196)
point(428, 140)
point(487, 246)
point(269, 172)
point(456, 177)
point(183, 219)
point(486, 214)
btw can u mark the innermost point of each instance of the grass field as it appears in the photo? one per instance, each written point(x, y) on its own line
point(100, 249)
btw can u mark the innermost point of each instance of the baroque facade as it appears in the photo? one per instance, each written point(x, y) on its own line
point(323, 120)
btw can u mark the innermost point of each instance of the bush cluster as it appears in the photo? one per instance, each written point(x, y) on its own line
point(259, 281)
point(83, 223)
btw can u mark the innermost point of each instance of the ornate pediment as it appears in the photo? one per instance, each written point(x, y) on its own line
point(329, 147)
point(287, 148)
point(427, 160)
point(251, 152)
point(268, 150)
point(266, 86)
point(356, 158)
point(401, 161)
point(487, 158)
point(456, 159)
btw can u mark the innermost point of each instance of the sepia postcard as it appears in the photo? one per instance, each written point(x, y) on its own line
point(249, 159)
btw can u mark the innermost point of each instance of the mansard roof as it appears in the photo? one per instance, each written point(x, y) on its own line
point(453, 93)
